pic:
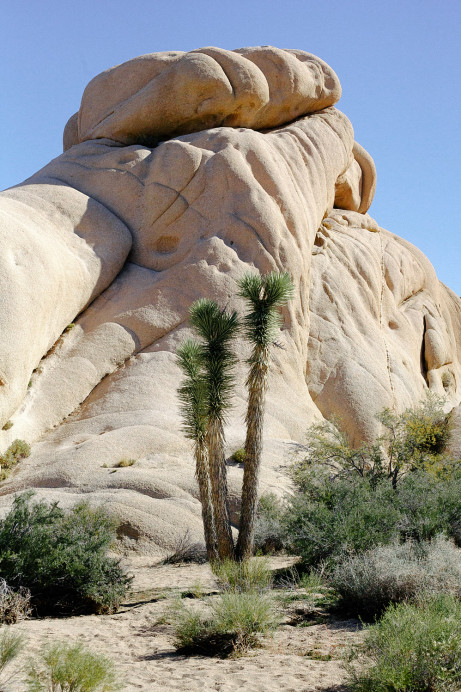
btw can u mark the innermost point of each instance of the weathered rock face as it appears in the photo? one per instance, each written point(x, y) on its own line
point(120, 236)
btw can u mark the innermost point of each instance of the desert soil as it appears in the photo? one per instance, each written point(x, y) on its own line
point(300, 657)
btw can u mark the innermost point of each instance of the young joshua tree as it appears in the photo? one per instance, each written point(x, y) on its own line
point(193, 399)
point(264, 296)
point(217, 329)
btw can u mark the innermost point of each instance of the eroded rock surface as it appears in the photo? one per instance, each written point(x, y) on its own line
point(160, 199)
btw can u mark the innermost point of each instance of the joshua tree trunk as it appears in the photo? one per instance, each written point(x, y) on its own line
point(203, 480)
point(257, 386)
point(218, 478)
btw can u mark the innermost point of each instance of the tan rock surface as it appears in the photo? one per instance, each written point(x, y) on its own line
point(120, 238)
point(165, 94)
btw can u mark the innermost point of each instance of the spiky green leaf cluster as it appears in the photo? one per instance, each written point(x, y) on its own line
point(217, 327)
point(192, 392)
point(265, 295)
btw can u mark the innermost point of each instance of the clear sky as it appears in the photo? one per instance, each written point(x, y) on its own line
point(399, 62)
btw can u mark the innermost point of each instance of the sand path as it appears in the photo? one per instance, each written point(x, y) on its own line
point(141, 644)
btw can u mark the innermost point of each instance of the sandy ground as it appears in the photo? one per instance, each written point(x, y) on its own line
point(141, 643)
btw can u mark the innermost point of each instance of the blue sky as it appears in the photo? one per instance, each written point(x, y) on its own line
point(399, 63)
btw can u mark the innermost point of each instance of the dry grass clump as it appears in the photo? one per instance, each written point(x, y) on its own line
point(368, 582)
point(185, 551)
point(249, 575)
point(14, 604)
point(235, 624)
point(11, 645)
point(123, 463)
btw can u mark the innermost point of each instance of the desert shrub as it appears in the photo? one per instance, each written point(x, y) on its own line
point(415, 439)
point(14, 605)
point(71, 668)
point(186, 550)
point(329, 517)
point(236, 621)
point(61, 556)
point(11, 645)
point(246, 576)
point(414, 648)
point(16, 451)
point(429, 504)
point(239, 456)
point(368, 582)
point(270, 533)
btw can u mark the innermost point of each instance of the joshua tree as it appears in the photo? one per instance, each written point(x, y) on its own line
point(264, 295)
point(193, 397)
point(217, 329)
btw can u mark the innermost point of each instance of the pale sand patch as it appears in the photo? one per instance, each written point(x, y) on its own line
point(144, 655)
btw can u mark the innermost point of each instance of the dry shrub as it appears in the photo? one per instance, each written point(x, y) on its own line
point(14, 605)
point(368, 582)
point(185, 550)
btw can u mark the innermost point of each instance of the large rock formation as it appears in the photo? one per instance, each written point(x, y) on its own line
point(181, 171)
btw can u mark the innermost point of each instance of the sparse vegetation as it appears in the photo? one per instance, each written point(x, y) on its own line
point(8, 425)
point(71, 668)
point(414, 647)
point(61, 556)
point(19, 449)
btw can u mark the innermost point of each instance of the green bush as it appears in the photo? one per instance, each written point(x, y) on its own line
point(414, 648)
point(239, 456)
point(235, 623)
point(61, 556)
point(16, 451)
point(71, 668)
point(329, 517)
point(367, 583)
point(246, 576)
point(332, 518)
